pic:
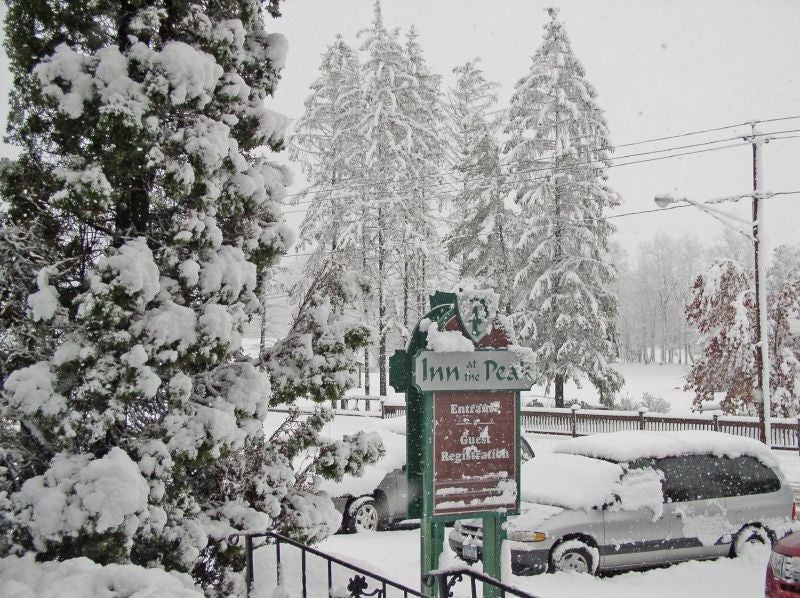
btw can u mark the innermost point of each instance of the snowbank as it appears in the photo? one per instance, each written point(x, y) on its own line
point(81, 578)
point(578, 482)
point(634, 444)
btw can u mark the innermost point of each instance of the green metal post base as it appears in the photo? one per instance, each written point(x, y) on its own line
point(493, 535)
point(432, 533)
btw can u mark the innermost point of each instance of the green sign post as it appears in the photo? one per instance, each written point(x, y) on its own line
point(462, 427)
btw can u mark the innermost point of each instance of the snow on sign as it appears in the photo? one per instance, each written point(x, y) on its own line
point(473, 370)
point(474, 452)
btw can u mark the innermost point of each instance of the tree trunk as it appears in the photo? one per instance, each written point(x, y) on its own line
point(405, 289)
point(366, 370)
point(366, 311)
point(381, 308)
point(559, 382)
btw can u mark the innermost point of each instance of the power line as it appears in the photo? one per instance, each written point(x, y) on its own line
point(584, 220)
point(605, 148)
point(547, 168)
point(567, 171)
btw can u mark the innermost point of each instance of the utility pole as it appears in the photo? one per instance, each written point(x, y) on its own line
point(762, 328)
point(756, 234)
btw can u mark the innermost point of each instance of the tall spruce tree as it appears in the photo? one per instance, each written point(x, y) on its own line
point(328, 144)
point(420, 263)
point(145, 197)
point(483, 238)
point(557, 152)
point(399, 155)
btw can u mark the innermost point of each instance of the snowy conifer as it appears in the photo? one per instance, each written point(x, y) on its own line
point(557, 153)
point(144, 179)
point(327, 144)
point(424, 108)
point(400, 153)
point(485, 232)
point(330, 147)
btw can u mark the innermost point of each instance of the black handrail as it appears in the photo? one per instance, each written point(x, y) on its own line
point(444, 580)
point(357, 585)
point(447, 578)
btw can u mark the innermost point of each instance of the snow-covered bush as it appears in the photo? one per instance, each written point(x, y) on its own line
point(655, 404)
point(24, 577)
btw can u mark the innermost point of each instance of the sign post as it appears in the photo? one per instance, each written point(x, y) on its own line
point(462, 427)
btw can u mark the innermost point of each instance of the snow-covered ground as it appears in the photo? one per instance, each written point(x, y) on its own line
point(395, 554)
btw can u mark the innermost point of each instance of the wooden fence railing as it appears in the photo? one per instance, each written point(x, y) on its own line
point(581, 422)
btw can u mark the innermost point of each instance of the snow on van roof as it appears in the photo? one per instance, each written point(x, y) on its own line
point(629, 445)
point(577, 482)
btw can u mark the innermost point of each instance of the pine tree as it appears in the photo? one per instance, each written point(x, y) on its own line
point(328, 144)
point(400, 149)
point(485, 232)
point(557, 152)
point(420, 263)
point(144, 186)
point(722, 308)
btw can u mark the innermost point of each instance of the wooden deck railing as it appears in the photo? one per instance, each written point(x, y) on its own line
point(581, 422)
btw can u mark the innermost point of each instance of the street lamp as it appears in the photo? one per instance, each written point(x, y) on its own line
point(757, 233)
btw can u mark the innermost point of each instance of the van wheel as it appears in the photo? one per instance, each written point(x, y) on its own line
point(747, 536)
point(574, 555)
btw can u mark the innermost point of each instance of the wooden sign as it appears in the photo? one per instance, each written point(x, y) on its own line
point(474, 452)
point(475, 370)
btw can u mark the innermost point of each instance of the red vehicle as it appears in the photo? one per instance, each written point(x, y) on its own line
point(783, 569)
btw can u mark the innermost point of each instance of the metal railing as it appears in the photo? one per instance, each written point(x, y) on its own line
point(362, 583)
point(360, 405)
point(582, 422)
point(446, 580)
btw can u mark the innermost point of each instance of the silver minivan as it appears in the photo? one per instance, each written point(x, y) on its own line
point(712, 504)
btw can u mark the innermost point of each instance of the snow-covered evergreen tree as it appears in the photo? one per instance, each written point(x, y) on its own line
point(328, 144)
point(483, 238)
point(421, 264)
point(401, 150)
point(134, 434)
point(722, 308)
point(557, 153)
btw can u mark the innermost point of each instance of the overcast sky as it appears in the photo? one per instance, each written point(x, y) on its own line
point(660, 68)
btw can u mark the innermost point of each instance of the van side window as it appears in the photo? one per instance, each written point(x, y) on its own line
point(691, 477)
point(701, 477)
point(747, 475)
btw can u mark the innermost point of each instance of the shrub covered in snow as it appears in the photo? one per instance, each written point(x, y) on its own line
point(23, 577)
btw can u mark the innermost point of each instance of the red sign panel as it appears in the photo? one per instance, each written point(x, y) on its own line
point(474, 452)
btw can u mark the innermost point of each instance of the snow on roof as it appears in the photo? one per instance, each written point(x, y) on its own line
point(629, 445)
point(578, 482)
